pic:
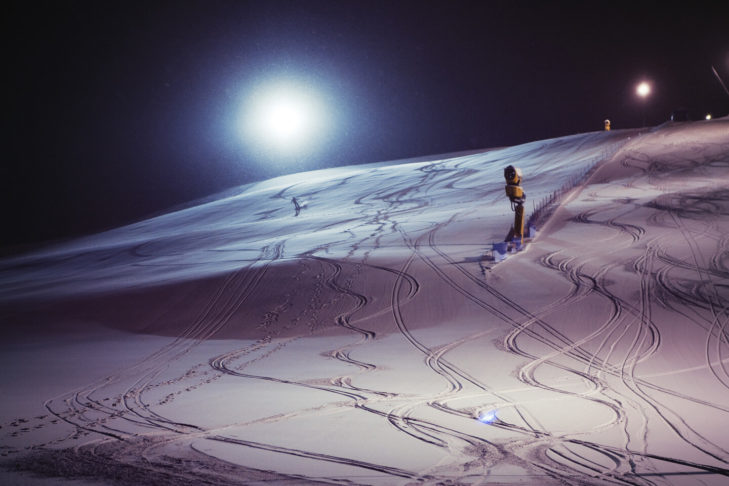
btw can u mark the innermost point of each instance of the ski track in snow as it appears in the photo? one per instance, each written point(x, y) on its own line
point(634, 264)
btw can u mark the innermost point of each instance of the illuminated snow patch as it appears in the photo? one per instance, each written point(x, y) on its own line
point(487, 417)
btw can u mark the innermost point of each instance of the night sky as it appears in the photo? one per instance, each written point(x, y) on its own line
point(119, 110)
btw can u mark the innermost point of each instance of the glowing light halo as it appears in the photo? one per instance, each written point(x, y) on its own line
point(643, 89)
point(284, 118)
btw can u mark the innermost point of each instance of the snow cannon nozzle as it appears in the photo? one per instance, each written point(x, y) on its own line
point(512, 175)
point(516, 195)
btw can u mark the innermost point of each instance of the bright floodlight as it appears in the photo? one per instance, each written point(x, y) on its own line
point(708, 116)
point(283, 118)
point(644, 89)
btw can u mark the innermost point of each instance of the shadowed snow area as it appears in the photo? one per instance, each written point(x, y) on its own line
point(346, 326)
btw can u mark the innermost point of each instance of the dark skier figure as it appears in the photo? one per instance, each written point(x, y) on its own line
point(297, 206)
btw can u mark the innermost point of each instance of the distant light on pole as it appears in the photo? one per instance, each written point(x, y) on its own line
point(643, 89)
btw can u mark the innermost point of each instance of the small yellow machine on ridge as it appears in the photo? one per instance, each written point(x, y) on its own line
point(517, 197)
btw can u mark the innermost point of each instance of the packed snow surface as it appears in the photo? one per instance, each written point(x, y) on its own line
point(349, 326)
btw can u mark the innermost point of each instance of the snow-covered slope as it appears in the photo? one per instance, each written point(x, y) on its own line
point(342, 208)
point(363, 338)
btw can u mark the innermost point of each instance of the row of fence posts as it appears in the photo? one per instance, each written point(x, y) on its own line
point(546, 204)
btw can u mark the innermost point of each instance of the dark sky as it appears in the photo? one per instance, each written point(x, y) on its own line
point(122, 109)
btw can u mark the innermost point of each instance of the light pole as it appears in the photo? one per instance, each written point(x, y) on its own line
point(643, 90)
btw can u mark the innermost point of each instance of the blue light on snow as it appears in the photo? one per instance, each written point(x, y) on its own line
point(487, 417)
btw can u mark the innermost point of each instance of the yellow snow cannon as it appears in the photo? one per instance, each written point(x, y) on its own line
point(516, 195)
